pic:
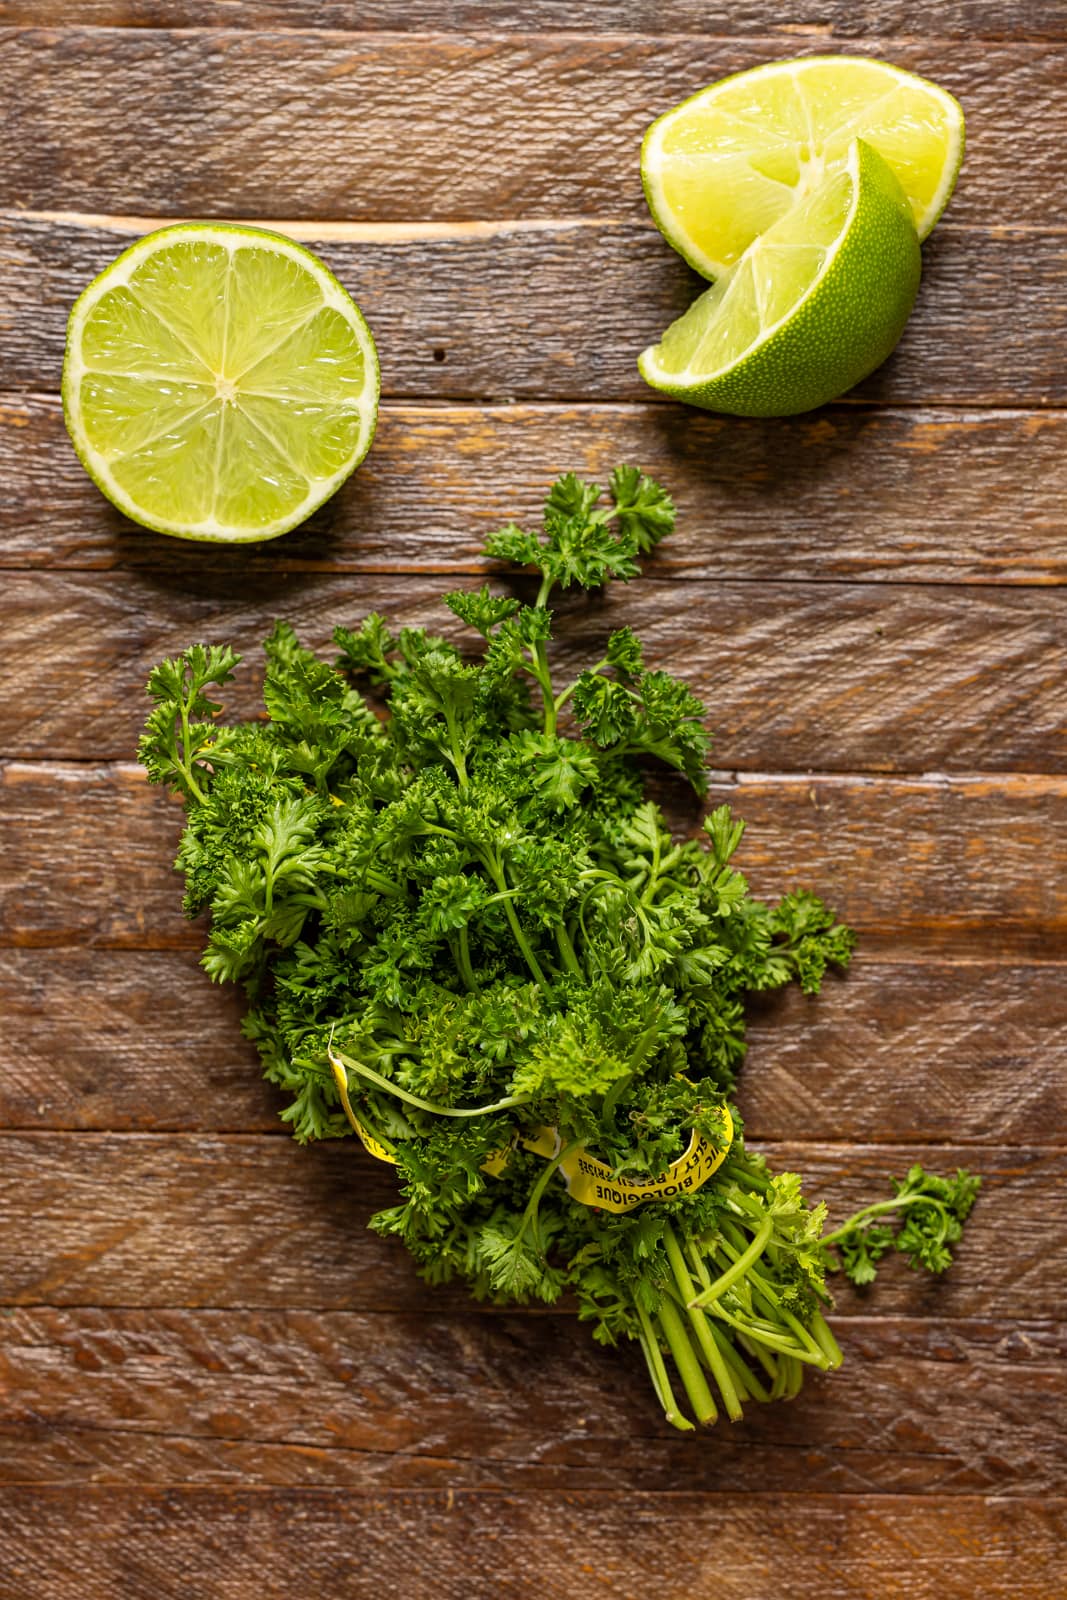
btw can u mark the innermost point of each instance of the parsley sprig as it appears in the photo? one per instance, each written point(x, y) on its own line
point(461, 921)
point(923, 1221)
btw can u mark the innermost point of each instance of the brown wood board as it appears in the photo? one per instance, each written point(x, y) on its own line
point(872, 494)
point(516, 311)
point(404, 1400)
point(76, 1543)
point(820, 23)
point(852, 664)
point(956, 865)
point(213, 1379)
point(251, 1220)
point(388, 127)
point(900, 1049)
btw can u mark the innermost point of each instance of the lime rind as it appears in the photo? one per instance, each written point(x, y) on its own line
point(228, 505)
point(761, 153)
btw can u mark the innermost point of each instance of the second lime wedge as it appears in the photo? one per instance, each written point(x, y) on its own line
point(813, 305)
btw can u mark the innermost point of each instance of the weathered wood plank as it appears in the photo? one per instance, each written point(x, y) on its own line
point(444, 307)
point(923, 1051)
point(255, 1399)
point(884, 677)
point(957, 865)
point(254, 1220)
point(88, 1543)
point(848, 493)
point(822, 20)
point(366, 126)
point(125, 1040)
point(901, 1050)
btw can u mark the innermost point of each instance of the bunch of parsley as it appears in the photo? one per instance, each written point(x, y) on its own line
point(459, 920)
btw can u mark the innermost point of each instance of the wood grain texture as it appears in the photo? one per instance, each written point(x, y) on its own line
point(844, 494)
point(821, 21)
point(214, 1381)
point(794, 676)
point(513, 311)
point(957, 865)
point(252, 1220)
point(366, 127)
point(932, 1050)
point(162, 1544)
point(506, 1402)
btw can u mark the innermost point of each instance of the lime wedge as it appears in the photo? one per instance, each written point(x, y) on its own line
point(219, 383)
point(725, 165)
point(813, 305)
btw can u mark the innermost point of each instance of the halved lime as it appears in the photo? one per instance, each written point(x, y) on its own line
point(219, 383)
point(723, 166)
point(813, 305)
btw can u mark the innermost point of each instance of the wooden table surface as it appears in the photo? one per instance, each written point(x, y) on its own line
point(213, 1381)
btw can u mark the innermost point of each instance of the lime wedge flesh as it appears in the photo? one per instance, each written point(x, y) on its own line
point(727, 164)
point(219, 383)
point(814, 304)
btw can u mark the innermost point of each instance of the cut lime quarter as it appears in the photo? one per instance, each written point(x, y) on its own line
point(813, 305)
point(219, 383)
point(725, 165)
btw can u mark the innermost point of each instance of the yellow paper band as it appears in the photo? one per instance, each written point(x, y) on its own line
point(372, 1145)
point(592, 1183)
point(588, 1180)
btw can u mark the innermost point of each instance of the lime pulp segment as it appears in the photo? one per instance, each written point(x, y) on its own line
point(725, 165)
point(774, 274)
point(219, 382)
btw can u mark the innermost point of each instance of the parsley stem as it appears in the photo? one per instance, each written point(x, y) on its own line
point(759, 1353)
point(539, 667)
point(767, 1333)
point(658, 1373)
point(376, 1078)
point(709, 1349)
point(532, 1205)
point(826, 1341)
point(496, 871)
point(689, 1370)
point(614, 1094)
point(567, 952)
point(463, 959)
point(565, 694)
point(899, 1203)
point(745, 1379)
point(186, 765)
point(653, 872)
point(739, 1268)
point(760, 1291)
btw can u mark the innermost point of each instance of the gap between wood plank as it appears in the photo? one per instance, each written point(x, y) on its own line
point(337, 230)
point(832, 1498)
point(740, 777)
point(200, 1135)
point(505, 404)
point(852, 44)
point(664, 573)
point(477, 1310)
point(26, 1129)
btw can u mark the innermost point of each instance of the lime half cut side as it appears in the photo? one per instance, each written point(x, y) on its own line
point(725, 165)
point(815, 303)
point(219, 383)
